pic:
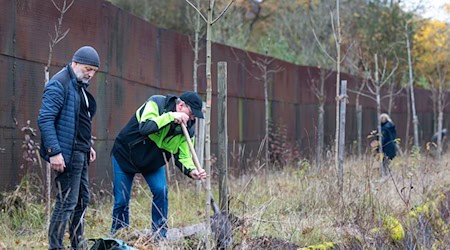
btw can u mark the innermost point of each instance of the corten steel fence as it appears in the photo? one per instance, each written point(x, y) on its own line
point(139, 60)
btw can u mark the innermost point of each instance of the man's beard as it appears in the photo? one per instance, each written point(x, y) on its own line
point(80, 78)
point(83, 80)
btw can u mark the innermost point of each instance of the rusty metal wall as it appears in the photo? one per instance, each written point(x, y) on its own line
point(139, 60)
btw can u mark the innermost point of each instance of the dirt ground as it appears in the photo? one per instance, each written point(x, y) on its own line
point(193, 242)
point(266, 242)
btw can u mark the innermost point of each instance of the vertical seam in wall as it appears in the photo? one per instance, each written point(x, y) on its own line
point(14, 97)
point(158, 57)
point(13, 106)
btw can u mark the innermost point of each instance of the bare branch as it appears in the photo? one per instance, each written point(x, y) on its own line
point(261, 64)
point(398, 92)
point(391, 73)
point(383, 72)
point(371, 90)
point(321, 47)
point(362, 94)
point(334, 30)
point(70, 5)
point(361, 87)
point(198, 11)
point(348, 50)
point(223, 12)
point(320, 96)
point(56, 6)
point(245, 68)
point(276, 70)
point(62, 36)
point(56, 32)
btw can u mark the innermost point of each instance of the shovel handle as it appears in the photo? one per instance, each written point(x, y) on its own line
point(198, 166)
point(191, 147)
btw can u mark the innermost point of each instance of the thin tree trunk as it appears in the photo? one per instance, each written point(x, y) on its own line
point(59, 35)
point(209, 22)
point(196, 48)
point(208, 120)
point(390, 101)
point(198, 144)
point(320, 120)
point(320, 129)
point(338, 79)
point(434, 99)
point(391, 95)
point(413, 102)
point(201, 140)
point(440, 121)
point(378, 98)
point(266, 108)
point(408, 119)
point(358, 126)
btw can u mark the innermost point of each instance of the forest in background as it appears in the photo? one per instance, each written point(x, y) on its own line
point(290, 30)
point(390, 48)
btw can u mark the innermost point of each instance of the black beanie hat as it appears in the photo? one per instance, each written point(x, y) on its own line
point(86, 55)
point(195, 103)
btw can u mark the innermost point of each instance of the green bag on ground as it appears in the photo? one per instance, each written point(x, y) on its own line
point(109, 244)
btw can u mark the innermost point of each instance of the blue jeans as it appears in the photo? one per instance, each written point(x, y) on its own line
point(72, 198)
point(123, 183)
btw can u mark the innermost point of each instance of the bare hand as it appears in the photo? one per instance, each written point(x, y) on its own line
point(93, 155)
point(198, 175)
point(180, 117)
point(57, 163)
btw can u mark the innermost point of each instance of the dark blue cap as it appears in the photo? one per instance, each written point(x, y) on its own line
point(195, 103)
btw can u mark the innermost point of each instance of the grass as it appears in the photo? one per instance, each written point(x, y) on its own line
point(299, 205)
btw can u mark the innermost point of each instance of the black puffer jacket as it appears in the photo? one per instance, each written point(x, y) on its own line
point(58, 116)
point(388, 140)
point(150, 133)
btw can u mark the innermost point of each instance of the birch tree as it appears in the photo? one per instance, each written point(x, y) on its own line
point(337, 60)
point(312, 35)
point(209, 23)
point(318, 88)
point(267, 69)
point(198, 27)
point(377, 77)
point(411, 92)
point(194, 19)
point(55, 38)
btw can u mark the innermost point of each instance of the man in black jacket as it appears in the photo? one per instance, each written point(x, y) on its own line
point(152, 131)
point(65, 123)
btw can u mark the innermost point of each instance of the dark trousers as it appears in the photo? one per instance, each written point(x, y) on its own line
point(123, 183)
point(72, 198)
point(386, 162)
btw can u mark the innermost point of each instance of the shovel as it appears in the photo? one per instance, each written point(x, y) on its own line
point(220, 223)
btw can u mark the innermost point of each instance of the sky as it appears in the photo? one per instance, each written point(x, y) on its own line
point(429, 8)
